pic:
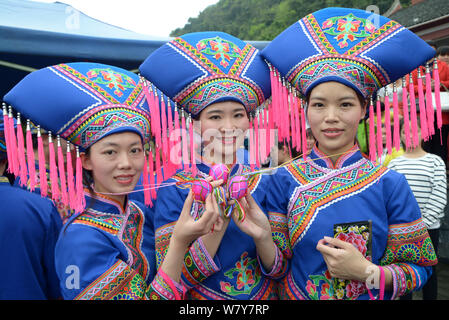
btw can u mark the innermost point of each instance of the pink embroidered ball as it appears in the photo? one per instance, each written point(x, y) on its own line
point(238, 186)
point(201, 188)
point(219, 171)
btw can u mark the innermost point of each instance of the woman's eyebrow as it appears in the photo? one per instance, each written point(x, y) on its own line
point(214, 111)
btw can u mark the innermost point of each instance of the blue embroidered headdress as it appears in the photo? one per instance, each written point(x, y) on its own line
point(357, 48)
point(80, 102)
point(198, 69)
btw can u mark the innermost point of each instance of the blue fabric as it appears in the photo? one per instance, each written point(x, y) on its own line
point(29, 228)
point(386, 200)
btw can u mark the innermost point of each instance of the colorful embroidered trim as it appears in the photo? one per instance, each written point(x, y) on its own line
point(119, 282)
point(307, 199)
point(409, 242)
point(198, 265)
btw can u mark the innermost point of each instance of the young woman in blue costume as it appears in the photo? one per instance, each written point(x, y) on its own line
point(355, 229)
point(218, 81)
point(106, 250)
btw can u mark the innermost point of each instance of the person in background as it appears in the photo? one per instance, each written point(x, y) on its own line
point(443, 54)
point(426, 176)
point(310, 140)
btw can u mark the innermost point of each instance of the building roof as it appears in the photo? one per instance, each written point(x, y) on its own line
point(425, 11)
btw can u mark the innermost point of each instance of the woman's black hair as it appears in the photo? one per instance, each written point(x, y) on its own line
point(288, 144)
point(443, 50)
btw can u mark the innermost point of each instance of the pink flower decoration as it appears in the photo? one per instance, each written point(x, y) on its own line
point(92, 74)
point(200, 45)
point(370, 27)
point(357, 240)
point(354, 289)
point(327, 24)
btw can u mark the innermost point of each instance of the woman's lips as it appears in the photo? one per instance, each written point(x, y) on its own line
point(332, 132)
point(228, 140)
point(124, 179)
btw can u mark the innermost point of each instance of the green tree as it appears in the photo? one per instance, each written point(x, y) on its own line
point(265, 19)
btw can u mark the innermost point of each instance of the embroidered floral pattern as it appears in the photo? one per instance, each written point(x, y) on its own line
point(220, 49)
point(111, 79)
point(247, 273)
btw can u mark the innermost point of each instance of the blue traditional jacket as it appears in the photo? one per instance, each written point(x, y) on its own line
point(107, 252)
point(357, 201)
point(234, 272)
point(29, 228)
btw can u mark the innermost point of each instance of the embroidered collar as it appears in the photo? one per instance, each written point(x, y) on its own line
point(103, 203)
point(351, 156)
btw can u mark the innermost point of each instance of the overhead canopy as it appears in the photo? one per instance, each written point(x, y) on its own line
point(36, 34)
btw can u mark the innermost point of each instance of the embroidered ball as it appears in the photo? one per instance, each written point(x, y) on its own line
point(219, 171)
point(238, 185)
point(201, 188)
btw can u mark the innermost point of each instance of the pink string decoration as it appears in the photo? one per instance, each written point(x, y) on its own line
point(151, 172)
point(422, 108)
point(429, 103)
point(54, 183)
point(192, 147)
point(30, 159)
point(372, 140)
point(436, 78)
point(146, 184)
point(396, 130)
point(12, 144)
point(170, 165)
point(413, 113)
point(79, 188)
point(7, 141)
point(185, 152)
point(21, 153)
point(406, 114)
point(256, 139)
point(380, 145)
point(70, 179)
point(43, 183)
point(177, 137)
point(303, 132)
point(62, 175)
point(387, 120)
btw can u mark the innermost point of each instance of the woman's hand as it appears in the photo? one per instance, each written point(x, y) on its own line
point(343, 260)
point(256, 223)
point(257, 226)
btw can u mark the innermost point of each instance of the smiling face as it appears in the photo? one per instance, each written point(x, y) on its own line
point(116, 162)
point(334, 112)
point(223, 128)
